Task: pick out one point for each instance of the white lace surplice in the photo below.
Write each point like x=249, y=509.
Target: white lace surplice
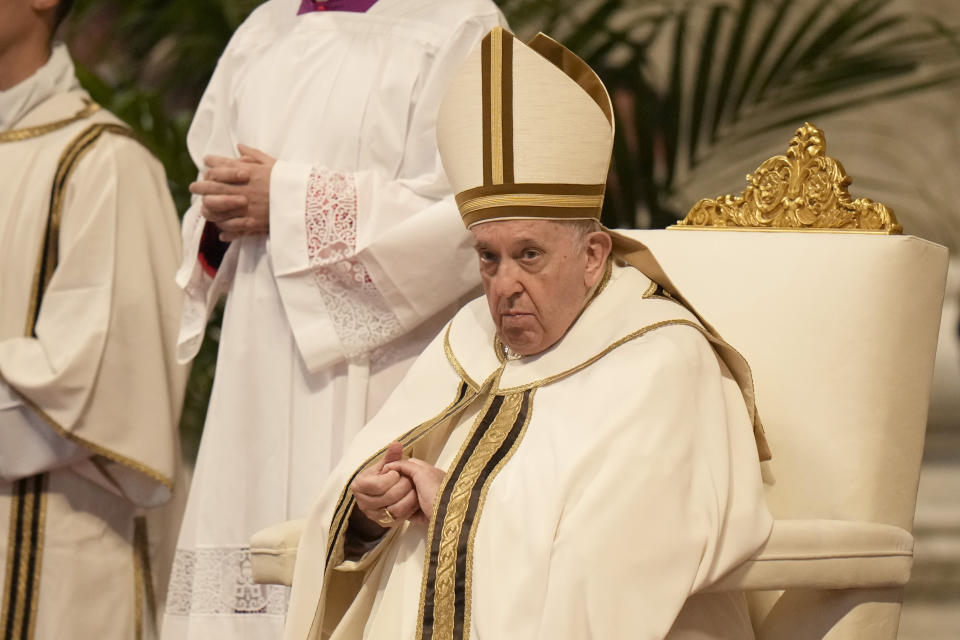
x=366, y=258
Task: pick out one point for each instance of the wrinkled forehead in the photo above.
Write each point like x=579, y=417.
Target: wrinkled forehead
x=512, y=231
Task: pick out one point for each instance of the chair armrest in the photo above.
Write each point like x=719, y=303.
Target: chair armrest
x=825, y=554
x=273, y=552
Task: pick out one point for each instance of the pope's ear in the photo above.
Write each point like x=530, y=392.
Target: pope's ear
x=598, y=247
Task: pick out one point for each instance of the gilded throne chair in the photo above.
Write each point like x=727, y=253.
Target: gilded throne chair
x=837, y=312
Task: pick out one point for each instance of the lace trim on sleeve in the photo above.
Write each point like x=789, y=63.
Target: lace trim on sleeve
x=360, y=314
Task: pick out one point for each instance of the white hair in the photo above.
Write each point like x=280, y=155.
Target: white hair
x=580, y=229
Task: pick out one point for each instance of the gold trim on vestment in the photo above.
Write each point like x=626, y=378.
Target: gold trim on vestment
x=657, y=292
x=47, y=262
x=468, y=583
x=49, y=256
x=92, y=446
x=21, y=612
x=143, y=579
x=448, y=566
x=586, y=363
x=11, y=543
x=452, y=359
x=137, y=593
x=41, y=529
x=18, y=135
x=21, y=593
x=802, y=190
x=431, y=528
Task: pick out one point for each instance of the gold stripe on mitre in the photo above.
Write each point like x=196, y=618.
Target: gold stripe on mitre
x=548, y=201
x=532, y=163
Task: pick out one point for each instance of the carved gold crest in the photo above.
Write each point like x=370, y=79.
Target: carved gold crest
x=802, y=190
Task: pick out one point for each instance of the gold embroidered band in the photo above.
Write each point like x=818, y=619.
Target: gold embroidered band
x=24, y=555
x=496, y=60
x=564, y=201
x=49, y=255
x=485, y=107
x=446, y=590
x=538, y=200
x=17, y=135
x=346, y=502
x=145, y=602
x=496, y=105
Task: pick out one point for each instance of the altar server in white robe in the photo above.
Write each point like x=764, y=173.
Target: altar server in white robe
x=90, y=390
x=333, y=287
x=581, y=451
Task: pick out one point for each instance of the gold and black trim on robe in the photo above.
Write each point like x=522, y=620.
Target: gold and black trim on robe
x=496, y=63
x=47, y=263
x=446, y=591
x=145, y=602
x=49, y=255
x=21, y=589
x=28, y=133
x=341, y=515
x=657, y=291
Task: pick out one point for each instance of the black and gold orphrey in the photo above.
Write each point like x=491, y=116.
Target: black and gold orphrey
x=500, y=196
x=21, y=587
x=448, y=566
x=24, y=554
x=445, y=601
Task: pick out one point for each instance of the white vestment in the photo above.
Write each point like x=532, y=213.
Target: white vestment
x=90, y=391
x=590, y=490
x=364, y=262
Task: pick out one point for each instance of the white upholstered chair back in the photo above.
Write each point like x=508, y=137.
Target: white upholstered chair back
x=840, y=329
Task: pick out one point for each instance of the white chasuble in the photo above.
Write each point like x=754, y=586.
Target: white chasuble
x=90, y=391
x=366, y=259
x=591, y=491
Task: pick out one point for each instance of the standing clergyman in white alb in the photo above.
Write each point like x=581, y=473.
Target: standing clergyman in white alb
x=322, y=233
x=577, y=454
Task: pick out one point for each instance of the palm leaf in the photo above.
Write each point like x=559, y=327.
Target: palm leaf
x=738, y=69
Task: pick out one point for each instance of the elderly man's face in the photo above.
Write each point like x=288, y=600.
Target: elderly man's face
x=536, y=278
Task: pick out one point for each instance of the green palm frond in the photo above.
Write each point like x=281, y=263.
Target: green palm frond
x=689, y=77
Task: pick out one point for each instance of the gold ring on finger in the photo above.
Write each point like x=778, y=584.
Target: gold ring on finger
x=386, y=518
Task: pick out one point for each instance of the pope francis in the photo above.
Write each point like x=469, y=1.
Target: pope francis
x=576, y=454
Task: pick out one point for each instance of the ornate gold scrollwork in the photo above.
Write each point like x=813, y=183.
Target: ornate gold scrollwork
x=802, y=190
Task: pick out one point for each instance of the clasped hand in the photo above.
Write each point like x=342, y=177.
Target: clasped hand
x=236, y=193
x=406, y=488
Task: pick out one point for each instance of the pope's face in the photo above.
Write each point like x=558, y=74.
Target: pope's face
x=535, y=278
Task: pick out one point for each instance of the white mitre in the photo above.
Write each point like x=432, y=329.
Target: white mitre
x=525, y=131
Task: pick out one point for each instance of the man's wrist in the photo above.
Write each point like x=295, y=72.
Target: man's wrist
x=363, y=528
